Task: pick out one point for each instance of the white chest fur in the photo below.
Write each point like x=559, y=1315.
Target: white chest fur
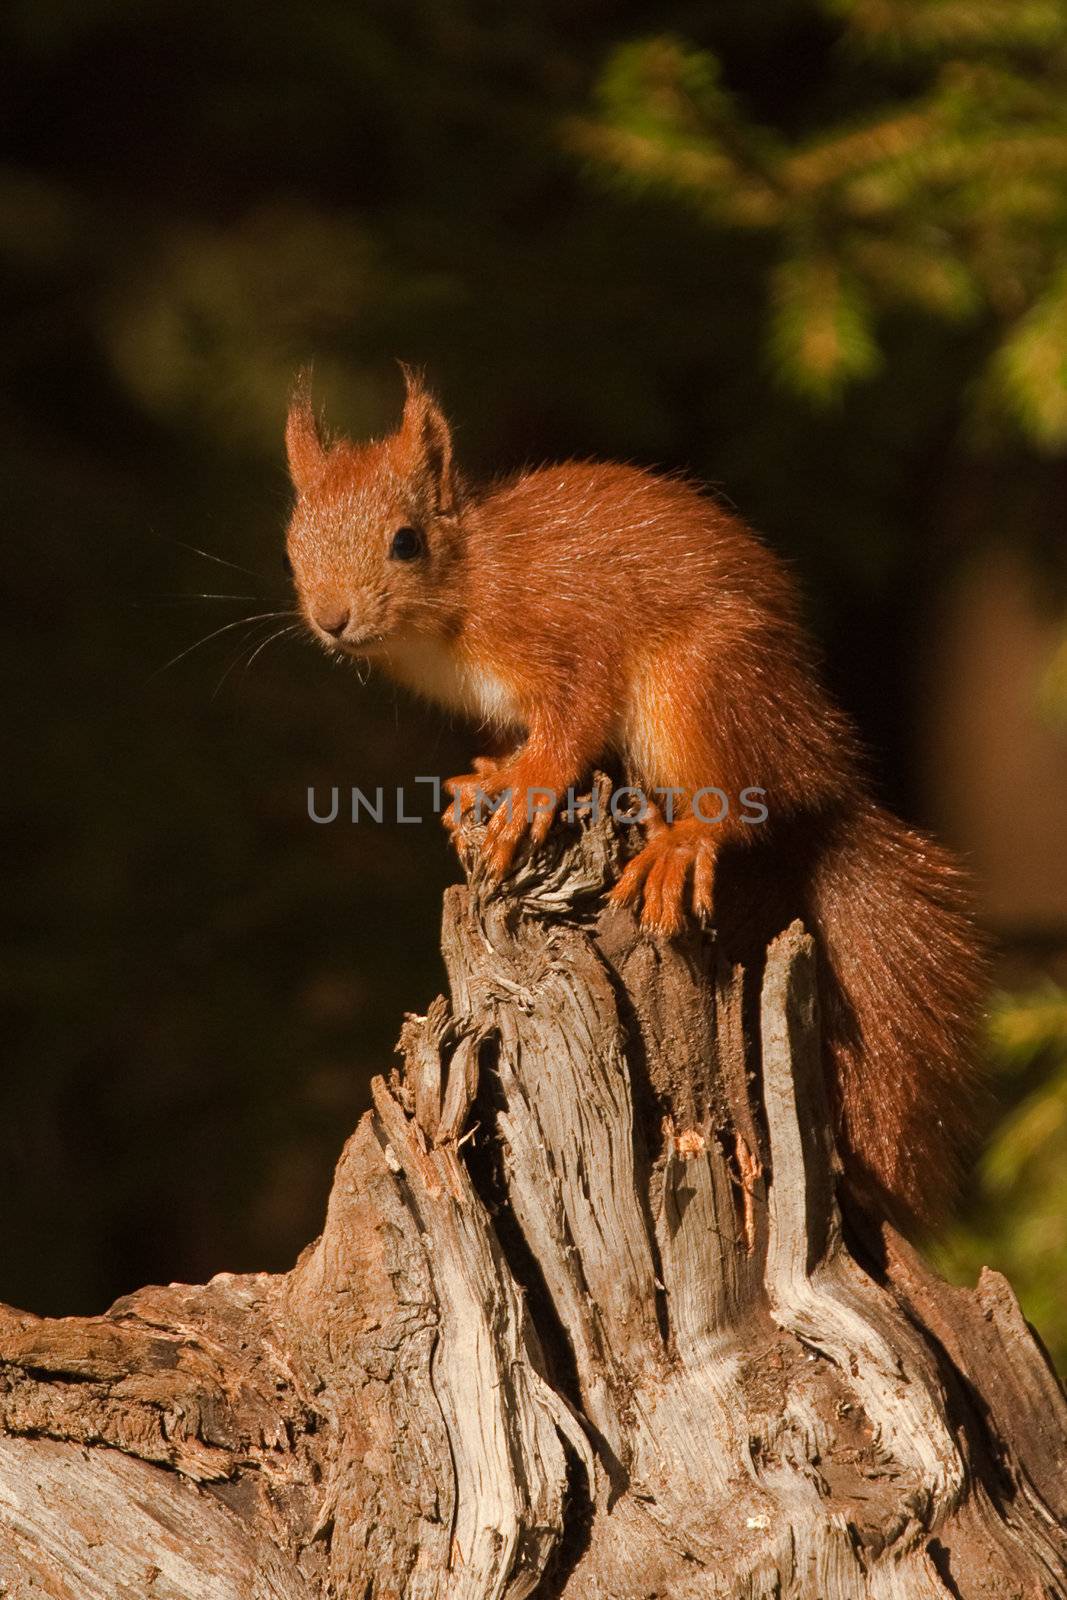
x=432, y=669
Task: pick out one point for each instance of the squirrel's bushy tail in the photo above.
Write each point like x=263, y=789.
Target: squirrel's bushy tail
x=903, y=975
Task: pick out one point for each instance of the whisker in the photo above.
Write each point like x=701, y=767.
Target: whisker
x=279, y=633
x=241, y=622
x=165, y=599
x=238, y=655
x=207, y=555
x=294, y=627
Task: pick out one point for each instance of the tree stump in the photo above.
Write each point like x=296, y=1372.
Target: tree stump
x=582, y=1321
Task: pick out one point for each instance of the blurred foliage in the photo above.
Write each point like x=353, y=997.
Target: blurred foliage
x=949, y=198
x=1019, y=1215
x=808, y=251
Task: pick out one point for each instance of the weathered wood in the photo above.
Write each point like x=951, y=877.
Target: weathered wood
x=582, y=1321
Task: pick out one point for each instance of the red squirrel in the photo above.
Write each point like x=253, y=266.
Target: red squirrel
x=595, y=610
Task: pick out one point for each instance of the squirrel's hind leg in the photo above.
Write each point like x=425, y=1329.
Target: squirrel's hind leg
x=676, y=855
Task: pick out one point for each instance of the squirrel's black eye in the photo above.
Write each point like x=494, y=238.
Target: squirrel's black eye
x=287, y=565
x=406, y=545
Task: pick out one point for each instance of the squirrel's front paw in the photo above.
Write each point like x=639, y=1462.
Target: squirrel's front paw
x=507, y=828
x=522, y=799
x=470, y=790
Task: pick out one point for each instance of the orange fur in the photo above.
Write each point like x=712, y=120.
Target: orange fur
x=596, y=609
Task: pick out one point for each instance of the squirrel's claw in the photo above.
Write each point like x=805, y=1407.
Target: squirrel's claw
x=505, y=832
x=525, y=805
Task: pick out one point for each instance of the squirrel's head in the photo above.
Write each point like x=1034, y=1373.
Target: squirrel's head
x=375, y=540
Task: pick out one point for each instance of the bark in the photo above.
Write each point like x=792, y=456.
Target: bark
x=582, y=1321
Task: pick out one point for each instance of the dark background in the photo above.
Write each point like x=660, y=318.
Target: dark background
x=196, y=199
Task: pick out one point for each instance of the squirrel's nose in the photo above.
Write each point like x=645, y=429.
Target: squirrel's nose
x=331, y=619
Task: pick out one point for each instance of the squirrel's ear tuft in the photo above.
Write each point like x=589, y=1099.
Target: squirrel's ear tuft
x=303, y=446
x=428, y=437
